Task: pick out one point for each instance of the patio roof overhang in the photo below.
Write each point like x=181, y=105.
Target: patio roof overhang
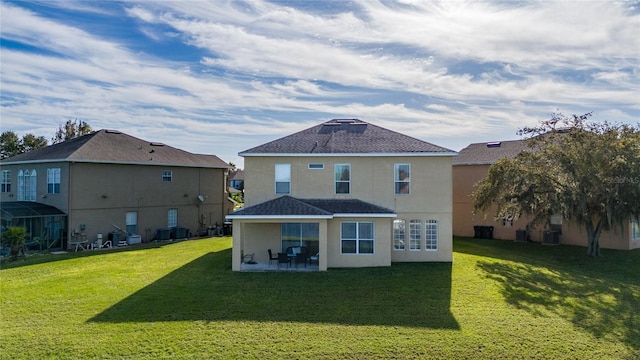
x=287, y=207
x=27, y=209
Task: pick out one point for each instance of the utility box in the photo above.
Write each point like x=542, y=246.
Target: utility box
x=163, y=234
x=551, y=238
x=134, y=239
x=521, y=235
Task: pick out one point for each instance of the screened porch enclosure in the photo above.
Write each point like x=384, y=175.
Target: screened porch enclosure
x=46, y=226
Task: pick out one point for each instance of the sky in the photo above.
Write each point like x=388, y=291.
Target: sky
x=219, y=77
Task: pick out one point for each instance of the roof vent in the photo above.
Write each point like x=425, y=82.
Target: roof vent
x=345, y=121
x=156, y=144
x=494, y=144
x=112, y=132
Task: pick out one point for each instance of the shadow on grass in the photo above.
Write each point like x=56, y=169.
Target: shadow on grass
x=601, y=296
x=206, y=289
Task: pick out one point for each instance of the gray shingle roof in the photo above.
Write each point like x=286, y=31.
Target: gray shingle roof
x=489, y=153
x=346, y=136
x=110, y=146
x=290, y=206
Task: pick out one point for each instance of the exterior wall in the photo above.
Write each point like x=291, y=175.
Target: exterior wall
x=102, y=194
x=372, y=180
x=98, y=195
x=382, y=244
x=464, y=220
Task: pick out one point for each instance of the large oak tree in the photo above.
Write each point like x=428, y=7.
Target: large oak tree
x=585, y=171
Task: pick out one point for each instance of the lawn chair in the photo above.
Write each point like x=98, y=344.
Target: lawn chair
x=283, y=259
x=271, y=257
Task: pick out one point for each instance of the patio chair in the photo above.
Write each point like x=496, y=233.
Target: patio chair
x=271, y=257
x=314, y=259
x=283, y=259
x=301, y=257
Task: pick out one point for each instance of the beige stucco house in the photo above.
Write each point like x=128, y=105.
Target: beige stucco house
x=107, y=180
x=472, y=164
x=355, y=194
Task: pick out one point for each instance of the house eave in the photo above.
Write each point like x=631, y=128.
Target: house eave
x=49, y=161
x=365, y=215
x=277, y=217
x=372, y=154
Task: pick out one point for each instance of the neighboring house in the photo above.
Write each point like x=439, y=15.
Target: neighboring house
x=97, y=183
x=236, y=179
x=472, y=164
x=356, y=194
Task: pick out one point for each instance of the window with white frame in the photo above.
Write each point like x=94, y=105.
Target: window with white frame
x=167, y=175
x=399, y=234
x=357, y=237
x=6, y=181
x=27, y=184
x=402, y=178
x=53, y=181
x=343, y=178
x=172, y=218
x=431, y=235
x=283, y=178
x=635, y=229
x=415, y=235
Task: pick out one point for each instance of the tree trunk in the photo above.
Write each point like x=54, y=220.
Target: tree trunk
x=593, y=238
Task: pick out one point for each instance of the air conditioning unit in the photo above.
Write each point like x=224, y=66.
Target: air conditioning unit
x=551, y=238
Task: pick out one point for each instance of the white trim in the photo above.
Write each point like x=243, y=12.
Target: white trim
x=337, y=215
x=5, y=163
x=277, y=217
x=377, y=215
x=370, y=154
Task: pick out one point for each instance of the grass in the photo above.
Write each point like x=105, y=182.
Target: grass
x=499, y=300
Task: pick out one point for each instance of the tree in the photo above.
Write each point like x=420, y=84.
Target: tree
x=586, y=172
x=14, y=238
x=71, y=129
x=32, y=142
x=11, y=144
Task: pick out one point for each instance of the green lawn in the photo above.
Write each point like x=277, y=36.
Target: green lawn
x=498, y=300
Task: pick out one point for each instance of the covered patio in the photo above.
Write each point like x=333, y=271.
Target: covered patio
x=46, y=225
x=262, y=231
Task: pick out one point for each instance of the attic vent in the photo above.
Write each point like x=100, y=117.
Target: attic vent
x=345, y=121
x=113, y=132
x=156, y=144
x=494, y=144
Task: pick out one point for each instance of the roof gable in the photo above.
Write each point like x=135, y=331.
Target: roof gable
x=346, y=136
x=111, y=146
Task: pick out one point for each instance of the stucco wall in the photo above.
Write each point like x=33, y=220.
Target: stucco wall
x=464, y=179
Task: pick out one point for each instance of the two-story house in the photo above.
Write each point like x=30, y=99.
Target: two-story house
x=472, y=165
x=354, y=193
x=107, y=180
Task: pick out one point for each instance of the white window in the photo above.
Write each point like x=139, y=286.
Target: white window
x=283, y=178
x=431, y=235
x=402, y=178
x=316, y=166
x=6, y=180
x=357, y=237
x=27, y=183
x=415, y=235
x=635, y=229
x=399, y=234
x=167, y=176
x=172, y=218
x=53, y=181
x=343, y=178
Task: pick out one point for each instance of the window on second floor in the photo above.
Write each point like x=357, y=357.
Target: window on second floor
x=167, y=176
x=402, y=178
x=343, y=178
x=6, y=181
x=27, y=184
x=53, y=181
x=283, y=178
